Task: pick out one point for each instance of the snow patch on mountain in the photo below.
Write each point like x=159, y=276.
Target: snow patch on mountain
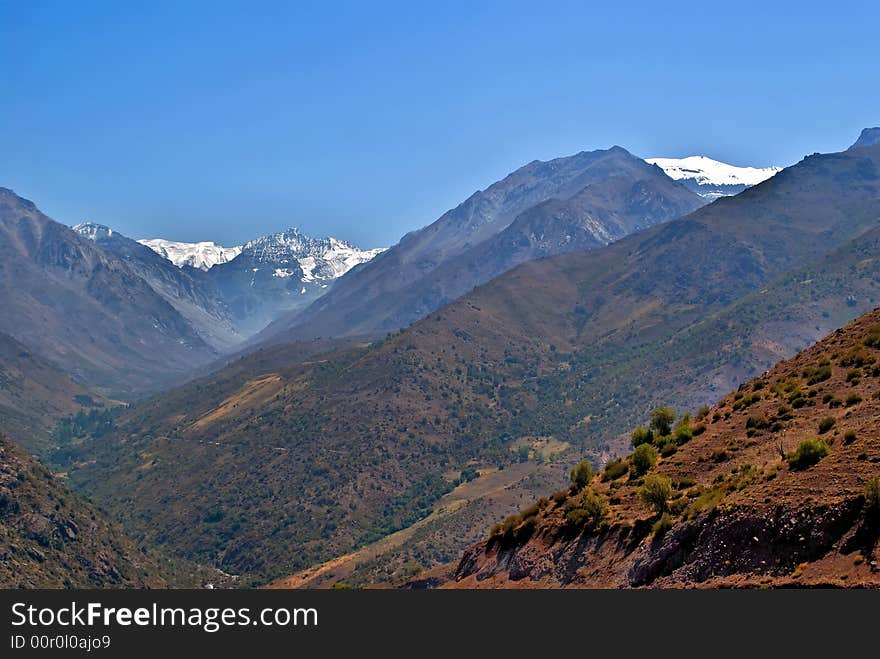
x=712, y=178
x=93, y=231
x=320, y=259
x=202, y=255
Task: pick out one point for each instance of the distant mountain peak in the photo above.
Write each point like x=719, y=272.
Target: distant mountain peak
x=202, y=255
x=320, y=258
x=93, y=230
x=712, y=178
x=869, y=137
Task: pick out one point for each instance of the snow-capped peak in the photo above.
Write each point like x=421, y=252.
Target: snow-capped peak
x=319, y=258
x=93, y=231
x=712, y=178
x=202, y=255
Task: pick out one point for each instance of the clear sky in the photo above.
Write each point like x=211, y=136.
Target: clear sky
x=365, y=120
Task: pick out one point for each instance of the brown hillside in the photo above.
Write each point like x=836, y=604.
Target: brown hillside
x=739, y=514
x=34, y=394
x=52, y=538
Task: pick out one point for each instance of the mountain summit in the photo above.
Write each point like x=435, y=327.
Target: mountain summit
x=712, y=178
x=318, y=258
x=573, y=203
x=869, y=137
x=202, y=255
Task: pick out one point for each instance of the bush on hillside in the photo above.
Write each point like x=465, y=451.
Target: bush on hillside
x=643, y=459
x=826, y=424
x=808, y=453
x=587, y=511
x=661, y=420
x=614, y=469
x=582, y=474
x=641, y=435
x=656, y=492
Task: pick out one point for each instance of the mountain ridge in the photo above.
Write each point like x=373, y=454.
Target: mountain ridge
x=436, y=264
x=537, y=352
x=85, y=309
x=712, y=178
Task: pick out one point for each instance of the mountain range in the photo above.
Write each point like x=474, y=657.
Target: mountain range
x=541, y=318
x=544, y=208
x=87, y=310
x=710, y=178
x=562, y=351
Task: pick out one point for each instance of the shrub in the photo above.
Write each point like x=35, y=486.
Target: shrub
x=683, y=432
x=758, y=422
x=614, y=469
x=656, y=491
x=582, y=474
x=661, y=420
x=872, y=337
x=643, y=459
x=703, y=412
x=853, y=399
x=818, y=374
x=559, y=496
x=641, y=436
x=662, y=525
x=849, y=436
x=808, y=453
x=719, y=455
x=856, y=356
x=746, y=401
x=587, y=511
x=826, y=424
x=668, y=446
x=872, y=495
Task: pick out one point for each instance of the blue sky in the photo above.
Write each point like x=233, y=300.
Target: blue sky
x=365, y=120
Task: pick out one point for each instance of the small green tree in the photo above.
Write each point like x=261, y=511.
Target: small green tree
x=582, y=474
x=614, y=469
x=587, y=510
x=683, y=431
x=641, y=435
x=643, y=458
x=826, y=424
x=661, y=420
x=808, y=453
x=656, y=492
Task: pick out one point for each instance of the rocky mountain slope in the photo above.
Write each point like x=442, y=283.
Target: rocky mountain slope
x=776, y=485
x=868, y=137
x=544, y=208
x=231, y=293
x=711, y=178
x=282, y=273
x=52, y=538
x=85, y=309
x=35, y=394
x=190, y=291
x=572, y=348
